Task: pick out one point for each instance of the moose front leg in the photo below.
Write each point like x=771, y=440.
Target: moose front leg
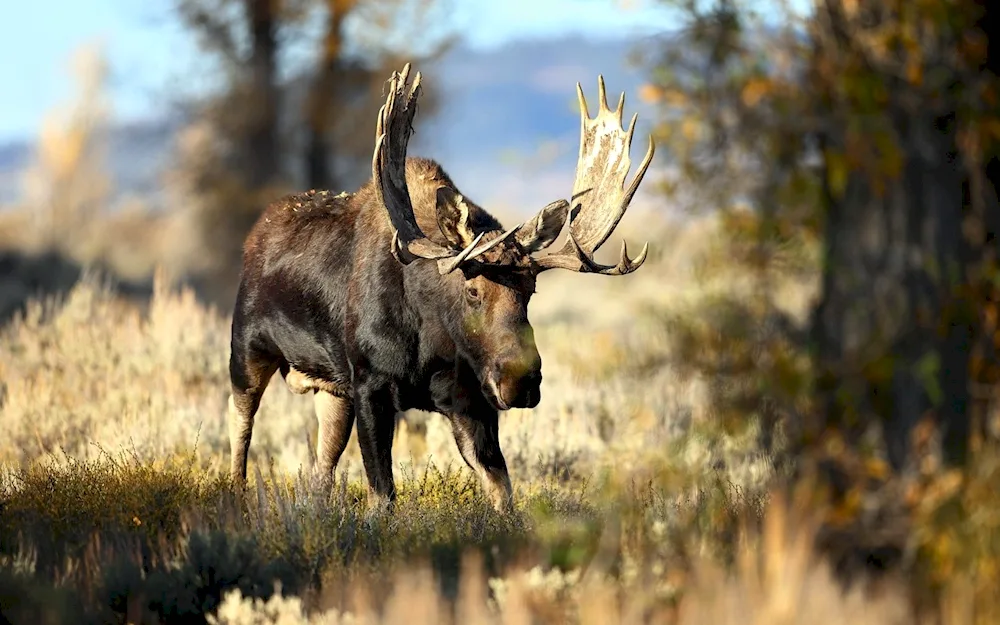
x=475, y=424
x=376, y=417
x=478, y=441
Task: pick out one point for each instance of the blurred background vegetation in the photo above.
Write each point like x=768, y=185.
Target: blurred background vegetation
x=804, y=371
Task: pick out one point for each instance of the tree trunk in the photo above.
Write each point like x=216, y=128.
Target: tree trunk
x=319, y=152
x=899, y=313
x=262, y=134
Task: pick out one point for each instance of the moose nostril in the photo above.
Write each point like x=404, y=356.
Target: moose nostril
x=522, y=390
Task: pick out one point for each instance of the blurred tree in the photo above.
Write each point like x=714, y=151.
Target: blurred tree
x=344, y=92
x=863, y=133
x=908, y=98
x=301, y=80
x=251, y=97
x=67, y=186
x=736, y=145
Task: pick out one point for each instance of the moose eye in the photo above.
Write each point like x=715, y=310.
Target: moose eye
x=472, y=294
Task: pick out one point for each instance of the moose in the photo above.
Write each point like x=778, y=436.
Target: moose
x=408, y=295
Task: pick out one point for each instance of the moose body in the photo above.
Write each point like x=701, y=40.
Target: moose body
x=407, y=295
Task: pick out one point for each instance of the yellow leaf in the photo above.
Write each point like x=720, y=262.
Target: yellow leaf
x=914, y=70
x=650, y=94
x=690, y=128
x=755, y=90
x=674, y=97
x=836, y=172
x=877, y=468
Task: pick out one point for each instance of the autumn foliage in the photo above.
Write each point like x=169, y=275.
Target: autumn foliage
x=854, y=149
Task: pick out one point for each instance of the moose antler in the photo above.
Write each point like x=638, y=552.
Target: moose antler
x=392, y=134
x=598, y=191
x=469, y=253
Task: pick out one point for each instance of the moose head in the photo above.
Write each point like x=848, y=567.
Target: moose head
x=492, y=271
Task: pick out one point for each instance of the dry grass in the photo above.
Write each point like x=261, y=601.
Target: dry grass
x=778, y=581
x=90, y=371
x=89, y=377
x=632, y=507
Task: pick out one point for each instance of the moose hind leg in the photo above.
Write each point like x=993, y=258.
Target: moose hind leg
x=249, y=380
x=336, y=418
x=479, y=443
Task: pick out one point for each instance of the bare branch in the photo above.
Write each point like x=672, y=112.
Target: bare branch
x=215, y=31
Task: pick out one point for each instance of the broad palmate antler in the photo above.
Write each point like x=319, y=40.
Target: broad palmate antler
x=599, y=195
x=600, y=198
x=392, y=134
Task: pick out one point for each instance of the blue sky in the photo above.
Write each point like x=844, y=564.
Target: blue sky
x=146, y=49
x=149, y=53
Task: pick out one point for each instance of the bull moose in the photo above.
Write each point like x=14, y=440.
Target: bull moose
x=408, y=295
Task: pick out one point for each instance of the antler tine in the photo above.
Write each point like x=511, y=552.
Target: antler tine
x=579, y=261
x=469, y=253
x=448, y=265
x=599, y=190
x=584, y=113
x=495, y=242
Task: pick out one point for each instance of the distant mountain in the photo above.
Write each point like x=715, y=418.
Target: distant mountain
x=14, y=158
x=507, y=130
x=136, y=154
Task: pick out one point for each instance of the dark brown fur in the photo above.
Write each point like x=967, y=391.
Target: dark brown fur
x=322, y=297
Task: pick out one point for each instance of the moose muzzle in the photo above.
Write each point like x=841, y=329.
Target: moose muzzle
x=515, y=380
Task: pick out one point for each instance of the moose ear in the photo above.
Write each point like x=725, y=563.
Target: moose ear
x=453, y=217
x=543, y=228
